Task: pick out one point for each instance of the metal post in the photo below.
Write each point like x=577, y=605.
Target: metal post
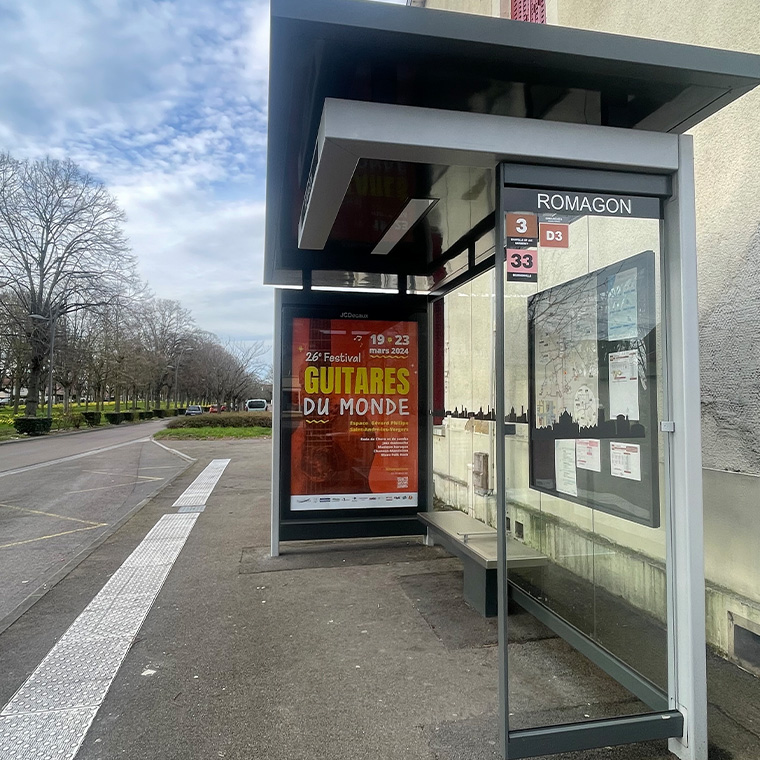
x=50, y=368
x=277, y=398
x=688, y=678
x=501, y=504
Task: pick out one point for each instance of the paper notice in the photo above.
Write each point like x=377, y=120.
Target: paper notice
x=588, y=454
x=624, y=384
x=625, y=460
x=622, y=306
x=564, y=466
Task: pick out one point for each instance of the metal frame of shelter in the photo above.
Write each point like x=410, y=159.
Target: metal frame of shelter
x=317, y=138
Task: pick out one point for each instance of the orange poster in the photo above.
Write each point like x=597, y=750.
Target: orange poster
x=355, y=441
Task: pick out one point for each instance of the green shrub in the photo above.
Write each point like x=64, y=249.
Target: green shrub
x=146, y=415
x=92, y=418
x=114, y=418
x=225, y=419
x=68, y=420
x=131, y=416
x=181, y=411
x=32, y=425
x=159, y=413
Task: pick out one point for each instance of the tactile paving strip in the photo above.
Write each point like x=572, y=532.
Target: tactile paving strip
x=44, y=736
x=50, y=714
x=200, y=489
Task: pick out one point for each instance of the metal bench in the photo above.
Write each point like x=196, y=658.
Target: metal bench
x=474, y=543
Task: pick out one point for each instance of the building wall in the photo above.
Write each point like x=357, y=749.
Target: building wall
x=727, y=163
x=727, y=167
x=727, y=171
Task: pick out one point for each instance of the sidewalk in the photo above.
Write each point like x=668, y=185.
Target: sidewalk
x=344, y=650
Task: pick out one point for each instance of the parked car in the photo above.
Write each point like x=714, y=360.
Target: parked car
x=215, y=408
x=193, y=409
x=255, y=405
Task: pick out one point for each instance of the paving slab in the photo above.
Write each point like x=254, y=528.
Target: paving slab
x=306, y=656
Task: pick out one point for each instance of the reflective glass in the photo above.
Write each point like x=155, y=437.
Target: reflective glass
x=585, y=484
x=464, y=439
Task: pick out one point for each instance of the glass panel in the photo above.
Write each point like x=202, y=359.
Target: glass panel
x=484, y=246
x=343, y=279
x=464, y=441
x=584, y=458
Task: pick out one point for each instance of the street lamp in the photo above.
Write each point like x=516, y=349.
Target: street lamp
x=51, y=321
x=175, y=367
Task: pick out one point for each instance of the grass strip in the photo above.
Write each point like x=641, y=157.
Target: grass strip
x=212, y=433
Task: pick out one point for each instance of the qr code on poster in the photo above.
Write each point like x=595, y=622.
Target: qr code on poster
x=402, y=482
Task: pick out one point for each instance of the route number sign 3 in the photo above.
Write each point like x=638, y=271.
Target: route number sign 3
x=522, y=230
x=522, y=247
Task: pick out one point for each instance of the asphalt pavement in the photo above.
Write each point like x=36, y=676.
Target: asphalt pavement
x=26, y=452
x=354, y=649
x=60, y=496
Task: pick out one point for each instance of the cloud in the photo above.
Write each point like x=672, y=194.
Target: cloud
x=165, y=102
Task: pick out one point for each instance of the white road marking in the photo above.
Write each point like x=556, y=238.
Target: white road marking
x=50, y=714
x=52, y=462
x=173, y=451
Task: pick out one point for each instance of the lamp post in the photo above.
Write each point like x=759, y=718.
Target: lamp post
x=176, y=371
x=51, y=321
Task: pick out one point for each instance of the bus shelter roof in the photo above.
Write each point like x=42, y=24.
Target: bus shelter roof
x=377, y=215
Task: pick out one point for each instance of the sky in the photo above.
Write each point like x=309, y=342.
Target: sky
x=165, y=101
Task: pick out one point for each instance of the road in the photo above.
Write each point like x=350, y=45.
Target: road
x=24, y=453
x=61, y=495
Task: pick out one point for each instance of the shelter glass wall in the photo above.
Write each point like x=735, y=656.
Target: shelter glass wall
x=464, y=436
x=584, y=458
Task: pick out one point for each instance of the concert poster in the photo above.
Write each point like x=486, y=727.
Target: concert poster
x=354, y=406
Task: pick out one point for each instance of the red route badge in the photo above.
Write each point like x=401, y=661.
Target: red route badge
x=522, y=265
x=554, y=235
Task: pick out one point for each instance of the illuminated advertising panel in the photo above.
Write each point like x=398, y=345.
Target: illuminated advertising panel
x=354, y=396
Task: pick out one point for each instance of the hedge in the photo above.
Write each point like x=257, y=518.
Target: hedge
x=32, y=425
x=225, y=419
x=146, y=415
x=68, y=421
x=132, y=416
x=114, y=418
x=160, y=413
x=92, y=418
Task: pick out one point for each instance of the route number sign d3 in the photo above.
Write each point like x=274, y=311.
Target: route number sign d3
x=554, y=235
x=522, y=264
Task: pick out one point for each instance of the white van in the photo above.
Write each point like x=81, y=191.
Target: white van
x=255, y=405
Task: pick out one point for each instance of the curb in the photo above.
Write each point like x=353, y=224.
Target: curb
x=46, y=585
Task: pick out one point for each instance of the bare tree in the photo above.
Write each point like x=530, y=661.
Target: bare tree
x=62, y=249
x=14, y=349
x=168, y=332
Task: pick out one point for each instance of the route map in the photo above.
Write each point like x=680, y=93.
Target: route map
x=566, y=355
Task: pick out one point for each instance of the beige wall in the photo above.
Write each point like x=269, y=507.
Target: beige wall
x=727, y=166
x=727, y=163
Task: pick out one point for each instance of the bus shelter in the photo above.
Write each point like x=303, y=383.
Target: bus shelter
x=483, y=235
